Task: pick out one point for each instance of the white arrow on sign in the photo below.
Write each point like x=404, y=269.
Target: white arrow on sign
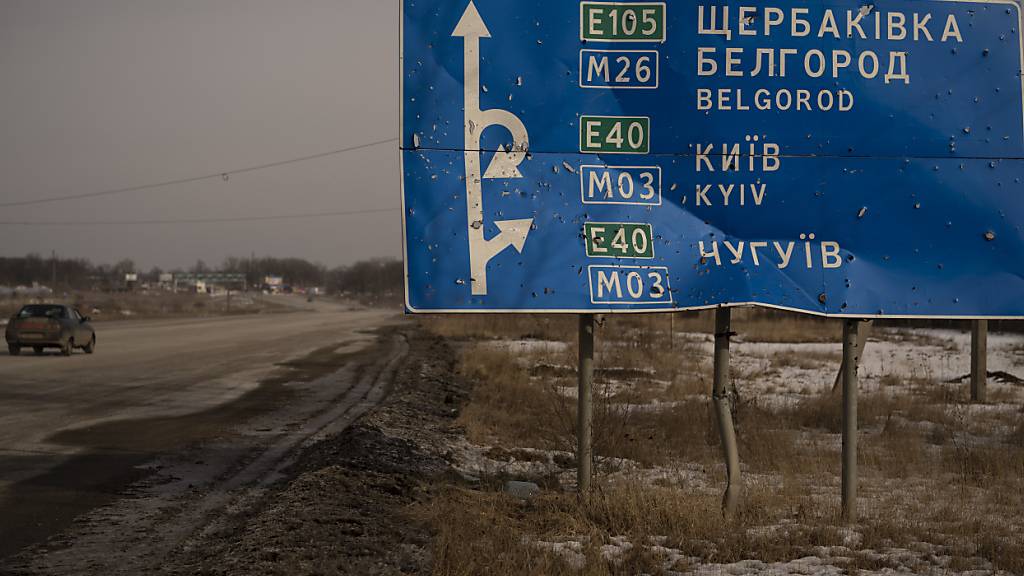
x=505, y=163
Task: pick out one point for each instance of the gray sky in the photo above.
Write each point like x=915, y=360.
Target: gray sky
x=104, y=94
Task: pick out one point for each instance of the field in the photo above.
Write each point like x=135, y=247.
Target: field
x=102, y=306
x=941, y=479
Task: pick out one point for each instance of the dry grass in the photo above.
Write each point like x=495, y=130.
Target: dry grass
x=481, y=532
x=512, y=410
x=516, y=408
x=806, y=359
x=936, y=475
x=758, y=325
x=487, y=532
x=490, y=327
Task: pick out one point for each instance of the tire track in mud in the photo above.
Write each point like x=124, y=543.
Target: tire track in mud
x=191, y=496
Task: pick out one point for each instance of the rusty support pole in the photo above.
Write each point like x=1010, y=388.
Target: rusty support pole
x=672, y=330
x=723, y=410
x=851, y=358
x=979, y=361
x=862, y=341
x=585, y=406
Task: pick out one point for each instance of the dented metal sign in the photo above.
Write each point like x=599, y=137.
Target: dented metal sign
x=839, y=158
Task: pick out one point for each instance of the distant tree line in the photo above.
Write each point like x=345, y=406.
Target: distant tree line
x=64, y=273
x=381, y=277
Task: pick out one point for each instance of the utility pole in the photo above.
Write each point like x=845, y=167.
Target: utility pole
x=585, y=404
x=249, y=279
x=53, y=271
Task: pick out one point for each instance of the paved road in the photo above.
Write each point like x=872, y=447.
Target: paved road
x=151, y=371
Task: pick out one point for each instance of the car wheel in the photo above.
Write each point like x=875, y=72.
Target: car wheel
x=68, y=347
x=14, y=349
x=91, y=346
x=38, y=350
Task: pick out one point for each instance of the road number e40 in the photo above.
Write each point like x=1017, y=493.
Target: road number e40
x=618, y=240
x=622, y=21
x=615, y=134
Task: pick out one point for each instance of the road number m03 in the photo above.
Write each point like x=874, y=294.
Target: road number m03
x=629, y=285
x=625, y=185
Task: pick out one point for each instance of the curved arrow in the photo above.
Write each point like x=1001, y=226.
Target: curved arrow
x=505, y=163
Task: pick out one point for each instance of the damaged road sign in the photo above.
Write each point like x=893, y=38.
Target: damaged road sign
x=836, y=158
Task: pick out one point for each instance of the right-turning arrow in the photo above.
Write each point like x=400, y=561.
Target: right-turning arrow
x=505, y=163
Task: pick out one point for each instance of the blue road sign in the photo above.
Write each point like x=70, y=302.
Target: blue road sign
x=840, y=157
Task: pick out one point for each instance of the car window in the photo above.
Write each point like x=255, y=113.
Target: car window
x=42, y=311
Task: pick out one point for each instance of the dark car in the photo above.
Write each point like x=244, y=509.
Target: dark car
x=40, y=326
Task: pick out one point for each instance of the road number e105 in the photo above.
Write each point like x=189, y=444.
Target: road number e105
x=622, y=22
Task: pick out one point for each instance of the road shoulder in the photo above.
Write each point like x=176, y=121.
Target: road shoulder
x=329, y=493
x=345, y=508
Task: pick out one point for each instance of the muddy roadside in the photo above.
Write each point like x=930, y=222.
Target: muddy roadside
x=118, y=458
x=331, y=498
x=345, y=507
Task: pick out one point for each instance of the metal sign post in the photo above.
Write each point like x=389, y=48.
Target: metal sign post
x=862, y=340
x=851, y=357
x=671, y=331
x=979, y=361
x=723, y=411
x=585, y=404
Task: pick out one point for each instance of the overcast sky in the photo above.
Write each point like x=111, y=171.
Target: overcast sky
x=105, y=94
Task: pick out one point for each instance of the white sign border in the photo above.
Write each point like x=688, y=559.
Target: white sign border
x=657, y=69
x=1017, y=4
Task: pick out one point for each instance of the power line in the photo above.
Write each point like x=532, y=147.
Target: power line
x=222, y=175
x=305, y=216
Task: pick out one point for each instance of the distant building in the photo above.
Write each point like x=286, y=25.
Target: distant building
x=273, y=284
x=209, y=283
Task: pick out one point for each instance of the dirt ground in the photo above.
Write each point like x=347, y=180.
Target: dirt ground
x=411, y=481
x=74, y=430
x=334, y=498
x=346, y=510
